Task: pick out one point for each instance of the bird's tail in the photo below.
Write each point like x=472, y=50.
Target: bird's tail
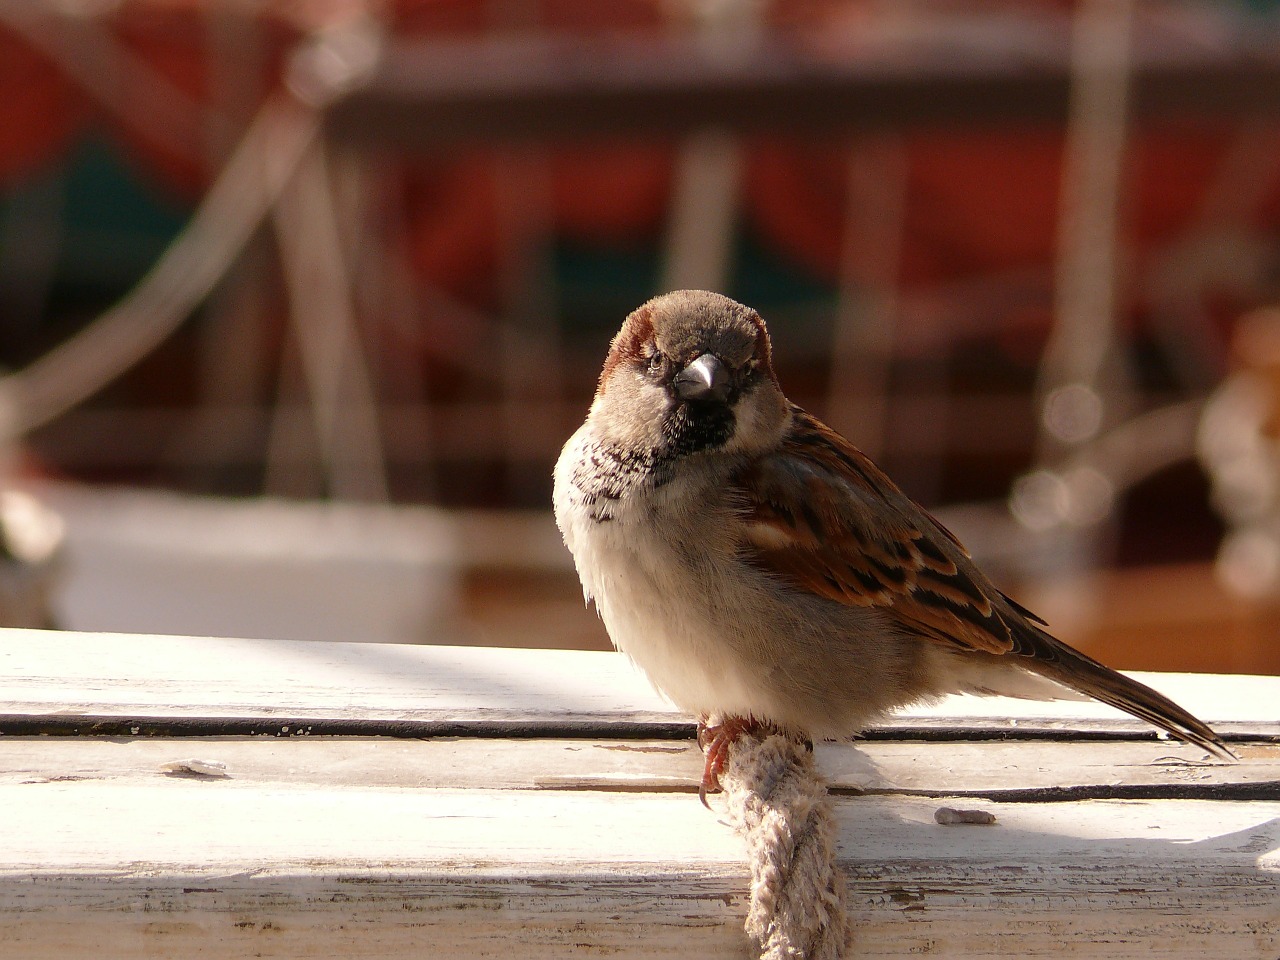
x=1070, y=667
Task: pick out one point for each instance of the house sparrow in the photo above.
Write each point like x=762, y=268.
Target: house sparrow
x=765, y=573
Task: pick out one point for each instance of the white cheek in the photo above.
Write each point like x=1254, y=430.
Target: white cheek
x=631, y=411
x=758, y=424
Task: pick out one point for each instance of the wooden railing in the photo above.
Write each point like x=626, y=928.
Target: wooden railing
x=370, y=800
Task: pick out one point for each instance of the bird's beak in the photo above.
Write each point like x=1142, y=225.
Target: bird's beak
x=705, y=378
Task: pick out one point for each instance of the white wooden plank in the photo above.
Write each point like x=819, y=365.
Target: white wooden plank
x=127, y=674
x=54, y=673
x=1027, y=770
x=549, y=848
x=1051, y=771
x=184, y=867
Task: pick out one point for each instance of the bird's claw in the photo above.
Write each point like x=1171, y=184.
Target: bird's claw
x=715, y=740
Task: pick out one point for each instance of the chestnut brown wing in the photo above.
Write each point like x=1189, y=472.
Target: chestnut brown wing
x=822, y=517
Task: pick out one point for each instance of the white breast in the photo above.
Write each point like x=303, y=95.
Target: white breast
x=646, y=558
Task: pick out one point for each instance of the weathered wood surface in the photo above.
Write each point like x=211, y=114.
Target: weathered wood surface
x=1050, y=772
x=58, y=677
x=223, y=869
x=553, y=846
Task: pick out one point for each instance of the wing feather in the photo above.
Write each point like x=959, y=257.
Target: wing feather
x=824, y=518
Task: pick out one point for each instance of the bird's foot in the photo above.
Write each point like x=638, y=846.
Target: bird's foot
x=715, y=740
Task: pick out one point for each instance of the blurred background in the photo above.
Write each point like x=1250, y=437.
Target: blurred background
x=300, y=298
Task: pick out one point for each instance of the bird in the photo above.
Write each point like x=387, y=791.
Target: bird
x=764, y=573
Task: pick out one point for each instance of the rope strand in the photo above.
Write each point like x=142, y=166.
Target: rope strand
x=778, y=803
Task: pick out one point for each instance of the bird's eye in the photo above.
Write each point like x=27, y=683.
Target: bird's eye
x=654, y=362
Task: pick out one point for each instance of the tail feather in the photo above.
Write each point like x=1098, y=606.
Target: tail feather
x=1054, y=659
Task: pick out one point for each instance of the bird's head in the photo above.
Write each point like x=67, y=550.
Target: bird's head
x=689, y=372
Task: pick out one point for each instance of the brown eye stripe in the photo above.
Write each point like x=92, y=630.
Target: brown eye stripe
x=628, y=346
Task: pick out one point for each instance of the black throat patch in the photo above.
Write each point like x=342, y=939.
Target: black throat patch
x=694, y=427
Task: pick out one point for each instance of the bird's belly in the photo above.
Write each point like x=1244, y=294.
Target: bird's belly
x=695, y=665
x=656, y=611
x=711, y=634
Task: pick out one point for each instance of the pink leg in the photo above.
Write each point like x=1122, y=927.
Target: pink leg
x=715, y=742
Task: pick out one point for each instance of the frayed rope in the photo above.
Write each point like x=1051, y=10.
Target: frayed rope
x=778, y=803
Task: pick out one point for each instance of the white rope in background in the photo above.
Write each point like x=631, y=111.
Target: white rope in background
x=278, y=170
x=777, y=801
x=240, y=198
